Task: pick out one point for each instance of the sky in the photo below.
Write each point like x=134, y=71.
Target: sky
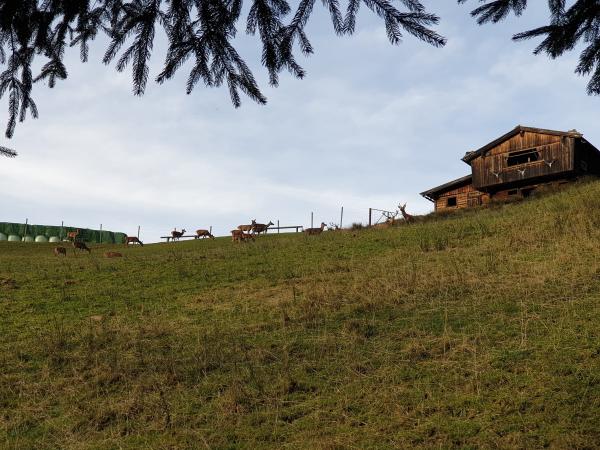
x=371, y=125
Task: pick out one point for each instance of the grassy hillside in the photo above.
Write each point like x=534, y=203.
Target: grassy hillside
x=477, y=330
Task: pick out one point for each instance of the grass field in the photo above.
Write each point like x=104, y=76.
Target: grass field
x=481, y=329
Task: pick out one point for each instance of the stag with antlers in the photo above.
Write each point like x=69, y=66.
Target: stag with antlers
x=409, y=218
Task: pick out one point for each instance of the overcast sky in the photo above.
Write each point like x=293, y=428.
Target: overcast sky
x=370, y=126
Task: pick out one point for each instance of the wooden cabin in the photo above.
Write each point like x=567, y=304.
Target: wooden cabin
x=515, y=165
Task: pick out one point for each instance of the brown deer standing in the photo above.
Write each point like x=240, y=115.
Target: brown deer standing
x=81, y=246
x=72, y=235
x=60, y=251
x=314, y=231
x=260, y=227
x=246, y=228
x=408, y=217
x=133, y=240
x=177, y=234
x=203, y=234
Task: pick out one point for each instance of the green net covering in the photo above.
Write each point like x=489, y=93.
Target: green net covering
x=85, y=234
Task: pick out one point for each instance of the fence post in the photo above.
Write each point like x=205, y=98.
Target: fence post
x=62, y=226
x=277, y=226
x=26, y=222
x=210, y=230
x=138, y=232
x=370, y=212
x=101, y=233
x=342, y=218
x=311, y=220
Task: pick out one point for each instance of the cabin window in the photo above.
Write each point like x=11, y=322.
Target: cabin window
x=451, y=201
x=522, y=157
x=527, y=192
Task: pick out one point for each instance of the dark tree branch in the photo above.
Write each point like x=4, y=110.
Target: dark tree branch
x=568, y=27
x=198, y=30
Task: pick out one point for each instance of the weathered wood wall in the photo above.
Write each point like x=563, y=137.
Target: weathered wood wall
x=462, y=194
x=556, y=155
x=506, y=194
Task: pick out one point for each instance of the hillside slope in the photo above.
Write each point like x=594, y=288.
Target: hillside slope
x=477, y=330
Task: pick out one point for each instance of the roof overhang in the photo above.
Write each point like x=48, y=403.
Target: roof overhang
x=435, y=192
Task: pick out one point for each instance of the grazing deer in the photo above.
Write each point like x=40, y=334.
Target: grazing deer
x=60, y=251
x=112, y=255
x=203, y=234
x=81, y=246
x=177, y=234
x=408, y=217
x=72, y=235
x=246, y=228
x=260, y=227
x=313, y=231
x=133, y=240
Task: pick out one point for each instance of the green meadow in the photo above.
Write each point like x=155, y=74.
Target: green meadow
x=477, y=329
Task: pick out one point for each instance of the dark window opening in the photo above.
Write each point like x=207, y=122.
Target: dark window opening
x=513, y=192
x=522, y=157
x=451, y=201
x=527, y=192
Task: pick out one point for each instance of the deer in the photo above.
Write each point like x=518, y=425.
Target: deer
x=133, y=240
x=390, y=218
x=408, y=217
x=314, y=231
x=81, y=246
x=240, y=236
x=203, y=234
x=246, y=228
x=72, y=235
x=112, y=255
x=177, y=234
x=60, y=251
x=260, y=227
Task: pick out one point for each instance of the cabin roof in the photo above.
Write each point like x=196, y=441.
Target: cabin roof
x=432, y=193
x=470, y=156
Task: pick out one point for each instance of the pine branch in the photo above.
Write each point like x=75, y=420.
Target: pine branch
x=9, y=153
x=200, y=31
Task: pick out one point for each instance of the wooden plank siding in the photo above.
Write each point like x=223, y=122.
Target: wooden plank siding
x=555, y=155
x=462, y=195
x=517, y=164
